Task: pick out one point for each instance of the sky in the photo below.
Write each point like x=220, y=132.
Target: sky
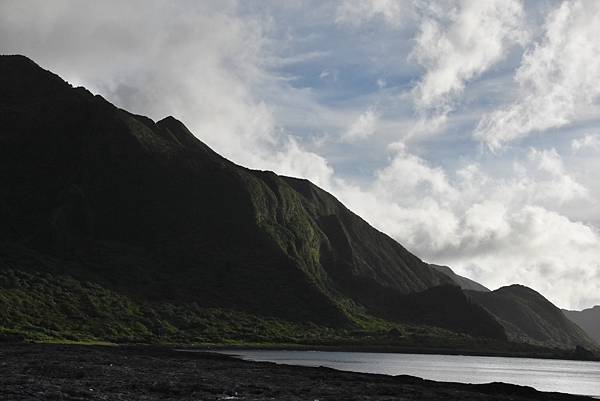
x=467, y=130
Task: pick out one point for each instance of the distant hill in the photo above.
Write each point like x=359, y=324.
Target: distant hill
x=588, y=320
x=120, y=228
x=462, y=282
x=529, y=317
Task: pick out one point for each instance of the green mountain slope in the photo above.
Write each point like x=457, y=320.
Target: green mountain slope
x=117, y=227
x=148, y=211
x=529, y=317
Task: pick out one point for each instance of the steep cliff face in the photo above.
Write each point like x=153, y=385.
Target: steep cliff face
x=147, y=230
x=149, y=211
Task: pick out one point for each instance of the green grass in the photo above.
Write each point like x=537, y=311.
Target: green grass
x=44, y=307
x=48, y=308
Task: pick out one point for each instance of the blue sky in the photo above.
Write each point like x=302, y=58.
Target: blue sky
x=467, y=130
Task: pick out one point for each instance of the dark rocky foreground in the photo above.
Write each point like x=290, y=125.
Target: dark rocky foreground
x=60, y=372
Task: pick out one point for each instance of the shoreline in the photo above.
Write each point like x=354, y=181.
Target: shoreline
x=94, y=372
x=322, y=359
x=550, y=354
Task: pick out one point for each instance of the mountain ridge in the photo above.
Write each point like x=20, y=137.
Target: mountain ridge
x=529, y=317
x=107, y=176
x=463, y=282
x=588, y=319
x=140, y=219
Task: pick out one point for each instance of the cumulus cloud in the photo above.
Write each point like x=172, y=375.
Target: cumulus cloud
x=559, y=77
x=551, y=185
x=364, y=126
x=498, y=229
x=456, y=42
x=460, y=40
x=589, y=141
x=292, y=160
x=545, y=250
x=233, y=72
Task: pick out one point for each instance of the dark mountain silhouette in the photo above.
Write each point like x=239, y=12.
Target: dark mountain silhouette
x=462, y=282
x=588, y=320
x=529, y=317
x=149, y=211
x=118, y=227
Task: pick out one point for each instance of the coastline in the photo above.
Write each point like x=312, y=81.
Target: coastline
x=540, y=353
x=76, y=372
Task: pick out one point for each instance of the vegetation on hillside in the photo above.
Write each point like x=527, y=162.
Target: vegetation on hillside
x=118, y=228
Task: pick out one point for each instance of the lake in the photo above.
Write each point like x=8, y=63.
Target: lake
x=575, y=377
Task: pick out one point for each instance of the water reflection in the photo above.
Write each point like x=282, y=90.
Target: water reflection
x=575, y=377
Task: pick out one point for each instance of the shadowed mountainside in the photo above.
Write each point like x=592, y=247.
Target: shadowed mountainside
x=118, y=227
x=529, y=317
x=588, y=320
x=148, y=211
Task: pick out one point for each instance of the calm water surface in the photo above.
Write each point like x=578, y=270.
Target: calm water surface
x=573, y=377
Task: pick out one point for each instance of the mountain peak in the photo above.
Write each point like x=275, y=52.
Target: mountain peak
x=157, y=188
x=537, y=319
x=170, y=120
x=17, y=59
x=22, y=66
x=149, y=212
x=178, y=130
x=21, y=79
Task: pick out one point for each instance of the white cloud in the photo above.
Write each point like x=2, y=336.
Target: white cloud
x=547, y=180
x=324, y=74
x=364, y=126
x=292, y=160
x=233, y=76
x=409, y=176
x=589, y=141
x=460, y=40
x=559, y=77
x=544, y=250
x=199, y=61
x=498, y=229
x=457, y=41
x=429, y=123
